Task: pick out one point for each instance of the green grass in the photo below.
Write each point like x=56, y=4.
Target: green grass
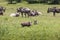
x=48, y=27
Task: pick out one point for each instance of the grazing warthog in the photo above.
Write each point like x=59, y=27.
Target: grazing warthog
x=24, y=11
x=26, y=24
x=2, y=9
x=54, y=10
x=34, y=13
x=14, y=14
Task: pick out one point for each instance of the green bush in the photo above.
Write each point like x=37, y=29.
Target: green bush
x=54, y=1
x=43, y=1
x=18, y=1
x=33, y=1
x=13, y=1
x=37, y=1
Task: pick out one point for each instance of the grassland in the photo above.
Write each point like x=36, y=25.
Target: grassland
x=48, y=27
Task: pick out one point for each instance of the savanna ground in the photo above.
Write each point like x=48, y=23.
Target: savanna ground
x=48, y=27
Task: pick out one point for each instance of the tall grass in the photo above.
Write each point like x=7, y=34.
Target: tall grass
x=48, y=27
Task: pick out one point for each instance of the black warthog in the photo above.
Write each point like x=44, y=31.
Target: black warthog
x=54, y=10
x=24, y=11
x=34, y=13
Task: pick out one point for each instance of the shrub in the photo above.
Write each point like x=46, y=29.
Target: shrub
x=53, y=1
x=18, y=1
x=11, y=1
x=43, y=1
x=33, y=1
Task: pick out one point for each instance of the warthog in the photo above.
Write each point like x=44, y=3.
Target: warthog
x=23, y=11
x=54, y=10
x=34, y=13
x=26, y=24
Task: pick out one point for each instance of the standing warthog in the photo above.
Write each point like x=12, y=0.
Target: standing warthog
x=23, y=11
x=54, y=10
x=2, y=9
x=26, y=24
x=50, y=10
